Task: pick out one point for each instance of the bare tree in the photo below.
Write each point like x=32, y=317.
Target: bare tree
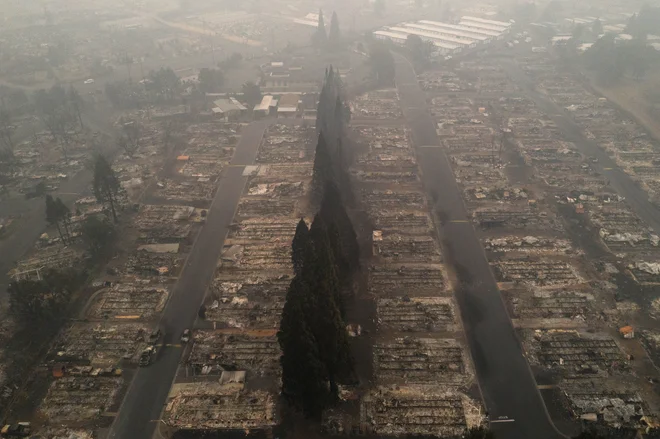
x=76, y=102
x=106, y=185
x=55, y=112
x=132, y=132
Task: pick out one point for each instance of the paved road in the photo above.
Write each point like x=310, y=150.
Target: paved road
x=507, y=385
x=147, y=395
x=621, y=182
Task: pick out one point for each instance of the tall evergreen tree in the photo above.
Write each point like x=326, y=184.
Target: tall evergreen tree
x=343, y=268
x=323, y=256
x=304, y=376
x=320, y=37
x=76, y=102
x=299, y=246
x=106, y=185
x=326, y=321
x=322, y=171
x=334, y=37
x=333, y=211
x=53, y=215
x=339, y=118
x=320, y=115
x=64, y=215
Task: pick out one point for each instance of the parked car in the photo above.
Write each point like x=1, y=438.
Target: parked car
x=147, y=356
x=155, y=336
x=185, y=337
x=21, y=429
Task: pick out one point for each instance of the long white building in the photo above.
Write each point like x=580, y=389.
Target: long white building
x=433, y=36
x=482, y=26
x=487, y=34
x=485, y=21
x=400, y=38
x=447, y=38
x=448, y=33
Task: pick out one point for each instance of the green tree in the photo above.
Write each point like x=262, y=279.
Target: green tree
x=98, y=233
x=131, y=134
x=38, y=304
x=53, y=215
x=334, y=37
x=168, y=134
x=106, y=185
x=322, y=171
x=56, y=113
x=64, y=215
x=578, y=33
x=382, y=63
x=347, y=249
x=251, y=94
x=325, y=312
x=164, y=84
x=604, y=58
x=299, y=246
x=646, y=22
x=210, y=80
x=420, y=50
x=320, y=37
x=597, y=28
x=304, y=376
x=76, y=102
x=233, y=60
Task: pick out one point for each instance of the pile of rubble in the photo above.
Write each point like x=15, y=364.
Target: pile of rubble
x=219, y=406
x=75, y=399
x=417, y=339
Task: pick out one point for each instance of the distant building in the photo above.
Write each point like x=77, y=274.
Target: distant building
x=288, y=105
x=228, y=109
x=447, y=37
x=263, y=108
x=284, y=77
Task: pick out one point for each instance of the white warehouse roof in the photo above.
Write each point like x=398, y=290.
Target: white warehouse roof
x=484, y=21
x=397, y=35
x=447, y=33
x=390, y=34
x=473, y=33
x=482, y=26
x=433, y=35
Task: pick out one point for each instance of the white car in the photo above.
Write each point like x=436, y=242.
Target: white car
x=89, y=81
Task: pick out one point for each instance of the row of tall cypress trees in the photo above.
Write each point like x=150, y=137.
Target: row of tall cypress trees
x=331, y=40
x=316, y=356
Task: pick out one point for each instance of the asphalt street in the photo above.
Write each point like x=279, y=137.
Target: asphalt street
x=515, y=406
x=142, y=406
x=621, y=182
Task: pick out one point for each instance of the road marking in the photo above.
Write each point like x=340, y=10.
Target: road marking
x=459, y=221
x=430, y=146
x=173, y=345
x=546, y=386
x=502, y=420
x=607, y=169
